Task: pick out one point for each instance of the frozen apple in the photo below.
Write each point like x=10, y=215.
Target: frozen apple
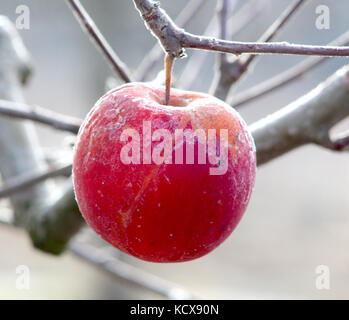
x=164, y=183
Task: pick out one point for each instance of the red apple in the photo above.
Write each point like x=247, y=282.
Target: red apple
x=163, y=183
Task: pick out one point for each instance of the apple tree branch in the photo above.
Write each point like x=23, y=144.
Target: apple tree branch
x=229, y=72
x=284, y=78
x=174, y=39
x=96, y=36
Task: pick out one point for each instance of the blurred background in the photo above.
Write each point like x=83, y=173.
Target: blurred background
x=298, y=217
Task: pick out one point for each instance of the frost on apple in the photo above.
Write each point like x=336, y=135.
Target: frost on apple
x=168, y=207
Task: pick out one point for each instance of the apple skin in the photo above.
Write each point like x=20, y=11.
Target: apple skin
x=167, y=212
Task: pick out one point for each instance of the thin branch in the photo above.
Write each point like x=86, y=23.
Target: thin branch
x=21, y=183
x=285, y=77
x=174, y=39
x=234, y=47
x=154, y=55
x=237, y=22
x=91, y=29
x=223, y=10
x=128, y=273
x=221, y=61
x=230, y=72
x=23, y=111
x=275, y=28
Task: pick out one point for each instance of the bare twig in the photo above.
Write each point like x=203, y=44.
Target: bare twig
x=21, y=183
x=221, y=61
x=174, y=39
x=230, y=72
x=154, y=55
x=235, y=47
x=23, y=111
x=224, y=8
x=274, y=29
x=283, y=78
x=95, y=35
x=236, y=23
x=128, y=273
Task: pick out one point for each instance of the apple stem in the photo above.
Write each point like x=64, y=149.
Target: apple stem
x=169, y=60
